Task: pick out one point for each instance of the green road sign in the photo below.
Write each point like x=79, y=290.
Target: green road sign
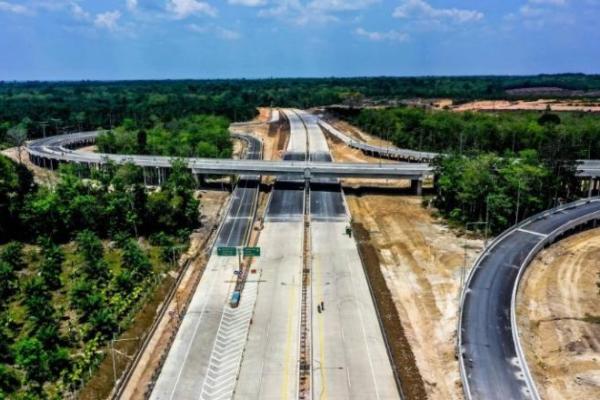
x=251, y=251
x=227, y=251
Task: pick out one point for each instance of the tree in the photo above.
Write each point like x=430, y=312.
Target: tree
x=17, y=136
x=38, y=300
x=31, y=356
x=13, y=255
x=94, y=266
x=9, y=381
x=549, y=118
x=16, y=184
x=8, y=282
x=51, y=266
x=142, y=141
x=103, y=323
x=135, y=260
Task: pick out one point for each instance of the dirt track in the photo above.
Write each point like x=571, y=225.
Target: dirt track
x=521, y=105
x=559, y=318
x=421, y=261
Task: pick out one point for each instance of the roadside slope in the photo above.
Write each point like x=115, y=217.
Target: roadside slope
x=420, y=260
x=558, y=293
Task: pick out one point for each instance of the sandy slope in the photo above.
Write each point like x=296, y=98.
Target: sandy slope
x=559, y=290
x=421, y=261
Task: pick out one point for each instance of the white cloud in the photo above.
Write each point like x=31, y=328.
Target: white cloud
x=531, y=12
x=551, y=2
x=537, y=14
x=223, y=33
x=295, y=12
x=341, y=5
x=248, y=3
x=184, y=8
x=392, y=36
x=108, y=20
x=131, y=4
x=78, y=12
x=422, y=10
x=13, y=8
x=227, y=34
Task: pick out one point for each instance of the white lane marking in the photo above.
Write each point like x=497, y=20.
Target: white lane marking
x=532, y=233
x=362, y=327
x=189, y=347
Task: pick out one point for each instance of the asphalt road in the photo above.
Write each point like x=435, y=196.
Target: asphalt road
x=488, y=349
x=188, y=364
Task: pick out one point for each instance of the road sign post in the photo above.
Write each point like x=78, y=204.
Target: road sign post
x=227, y=251
x=251, y=251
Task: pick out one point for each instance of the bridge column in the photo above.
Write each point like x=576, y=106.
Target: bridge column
x=196, y=179
x=591, y=186
x=416, y=186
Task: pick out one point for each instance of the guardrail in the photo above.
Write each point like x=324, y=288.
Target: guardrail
x=387, y=152
x=514, y=328
x=209, y=244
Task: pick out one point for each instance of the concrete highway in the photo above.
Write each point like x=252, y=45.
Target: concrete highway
x=189, y=368
x=269, y=367
x=492, y=363
x=349, y=357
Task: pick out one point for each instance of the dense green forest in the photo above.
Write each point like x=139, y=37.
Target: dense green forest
x=64, y=289
x=66, y=106
x=564, y=136
x=193, y=136
x=500, y=167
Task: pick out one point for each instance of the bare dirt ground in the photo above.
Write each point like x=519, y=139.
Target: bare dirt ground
x=358, y=134
x=342, y=153
x=238, y=148
x=273, y=136
x=421, y=261
x=213, y=209
x=559, y=318
x=41, y=176
x=537, y=105
x=87, y=149
x=264, y=114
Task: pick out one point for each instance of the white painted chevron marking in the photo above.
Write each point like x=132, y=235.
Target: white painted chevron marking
x=226, y=355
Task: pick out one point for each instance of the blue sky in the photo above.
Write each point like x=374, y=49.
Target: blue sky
x=155, y=39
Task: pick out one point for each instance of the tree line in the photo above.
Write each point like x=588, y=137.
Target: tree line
x=565, y=136
x=192, y=136
x=63, y=291
x=54, y=107
x=498, y=167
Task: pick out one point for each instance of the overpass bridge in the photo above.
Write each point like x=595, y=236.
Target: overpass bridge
x=50, y=152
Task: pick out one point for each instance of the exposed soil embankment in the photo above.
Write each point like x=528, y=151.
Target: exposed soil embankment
x=414, y=264
x=403, y=358
x=559, y=318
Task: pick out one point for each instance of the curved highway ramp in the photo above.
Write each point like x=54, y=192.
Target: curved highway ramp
x=492, y=362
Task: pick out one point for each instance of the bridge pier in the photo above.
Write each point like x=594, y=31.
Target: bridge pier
x=416, y=186
x=593, y=186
